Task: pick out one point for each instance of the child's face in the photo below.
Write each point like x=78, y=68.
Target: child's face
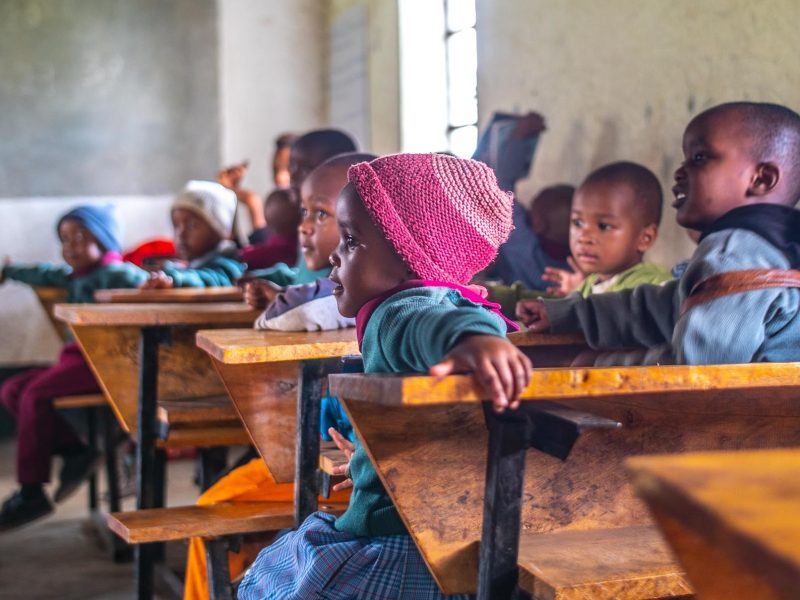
x=194, y=237
x=319, y=234
x=78, y=247
x=717, y=171
x=606, y=234
x=365, y=264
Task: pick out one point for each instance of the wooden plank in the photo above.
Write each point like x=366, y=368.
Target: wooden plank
x=113, y=355
x=330, y=456
x=84, y=401
x=221, y=434
x=732, y=518
x=187, y=295
x=249, y=346
x=562, y=384
x=265, y=396
x=527, y=338
x=602, y=564
x=48, y=298
x=196, y=410
x=435, y=473
x=142, y=315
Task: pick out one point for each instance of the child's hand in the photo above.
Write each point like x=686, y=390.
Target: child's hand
x=348, y=448
x=158, y=281
x=533, y=315
x=566, y=282
x=258, y=293
x=500, y=368
x=231, y=177
x=530, y=125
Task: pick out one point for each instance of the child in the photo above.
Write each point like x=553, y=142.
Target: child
x=309, y=307
x=414, y=229
x=283, y=217
x=614, y=221
x=307, y=153
x=737, y=301
x=90, y=245
x=202, y=215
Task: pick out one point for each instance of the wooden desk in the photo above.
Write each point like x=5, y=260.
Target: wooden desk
x=276, y=380
x=429, y=443
x=48, y=298
x=141, y=353
x=732, y=518
x=184, y=295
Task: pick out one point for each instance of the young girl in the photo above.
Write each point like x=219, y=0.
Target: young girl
x=91, y=248
x=415, y=228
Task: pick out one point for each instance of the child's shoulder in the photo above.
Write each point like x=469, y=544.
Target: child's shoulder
x=732, y=249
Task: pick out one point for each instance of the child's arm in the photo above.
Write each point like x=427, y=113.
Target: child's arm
x=641, y=316
x=309, y=307
x=222, y=272
x=44, y=274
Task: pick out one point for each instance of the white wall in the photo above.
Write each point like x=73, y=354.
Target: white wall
x=620, y=80
x=271, y=80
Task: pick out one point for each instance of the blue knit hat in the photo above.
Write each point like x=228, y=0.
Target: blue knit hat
x=100, y=221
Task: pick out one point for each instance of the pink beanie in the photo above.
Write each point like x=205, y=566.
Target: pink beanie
x=445, y=216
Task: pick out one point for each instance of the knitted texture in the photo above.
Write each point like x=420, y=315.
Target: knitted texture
x=102, y=223
x=445, y=216
x=215, y=203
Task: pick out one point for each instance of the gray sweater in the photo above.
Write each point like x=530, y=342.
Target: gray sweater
x=755, y=326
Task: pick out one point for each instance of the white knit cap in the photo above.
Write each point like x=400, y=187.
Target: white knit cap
x=215, y=203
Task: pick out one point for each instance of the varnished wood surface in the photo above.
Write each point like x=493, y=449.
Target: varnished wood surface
x=265, y=397
x=196, y=410
x=142, y=315
x=84, y=401
x=220, y=434
x=248, y=346
x=330, y=456
x=187, y=295
x=571, y=383
x=112, y=352
x=732, y=518
x=524, y=338
x=48, y=298
x=602, y=564
x=432, y=457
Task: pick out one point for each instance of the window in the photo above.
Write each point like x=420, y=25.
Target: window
x=461, y=56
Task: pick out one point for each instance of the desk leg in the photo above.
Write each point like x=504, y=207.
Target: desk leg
x=502, y=505
x=309, y=394
x=148, y=470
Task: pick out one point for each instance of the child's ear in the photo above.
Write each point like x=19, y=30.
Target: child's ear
x=647, y=237
x=764, y=179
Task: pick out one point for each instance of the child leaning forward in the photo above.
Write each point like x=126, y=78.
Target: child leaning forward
x=414, y=230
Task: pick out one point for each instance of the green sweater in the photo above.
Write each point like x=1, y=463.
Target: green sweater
x=408, y=333
x=79, y=289
x=215, y=271
x=283, y=275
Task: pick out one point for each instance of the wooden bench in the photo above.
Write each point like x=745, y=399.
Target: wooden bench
x=179, y=295
x=731, y=518
x=145, y=353
x=452, y=492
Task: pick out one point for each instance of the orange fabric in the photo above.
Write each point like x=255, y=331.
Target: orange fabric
x=249, y=483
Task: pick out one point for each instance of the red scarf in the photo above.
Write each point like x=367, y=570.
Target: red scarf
x=365, y=312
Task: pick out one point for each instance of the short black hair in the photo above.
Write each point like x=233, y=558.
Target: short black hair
x=325, y=143
x=347, y=159
x=773, y=132
x=645, y=185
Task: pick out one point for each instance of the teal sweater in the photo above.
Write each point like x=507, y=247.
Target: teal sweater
x=79, y=289
x=408, y=333
x=216, y=270
x=283, y=275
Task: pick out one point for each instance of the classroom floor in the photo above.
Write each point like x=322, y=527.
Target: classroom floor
x=58, y=556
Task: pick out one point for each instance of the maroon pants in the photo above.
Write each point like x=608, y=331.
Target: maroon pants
x=41, y=431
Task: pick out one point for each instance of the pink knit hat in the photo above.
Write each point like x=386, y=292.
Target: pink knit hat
x=445, y=216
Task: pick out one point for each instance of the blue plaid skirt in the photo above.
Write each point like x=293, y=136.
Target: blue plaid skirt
x=320, y=563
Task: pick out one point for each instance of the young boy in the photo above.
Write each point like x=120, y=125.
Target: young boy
x=614, y=221
x=202, y=215
x=737, y=301
x=308, y=152
x=308, y=307
x=90, y=245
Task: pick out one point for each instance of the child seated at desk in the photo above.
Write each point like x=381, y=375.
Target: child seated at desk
x=91, y=247
x=306, y=307
x=613, y=222
x=202, y=216
x=738, y=300
x=280, y=245
x=415, y=229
